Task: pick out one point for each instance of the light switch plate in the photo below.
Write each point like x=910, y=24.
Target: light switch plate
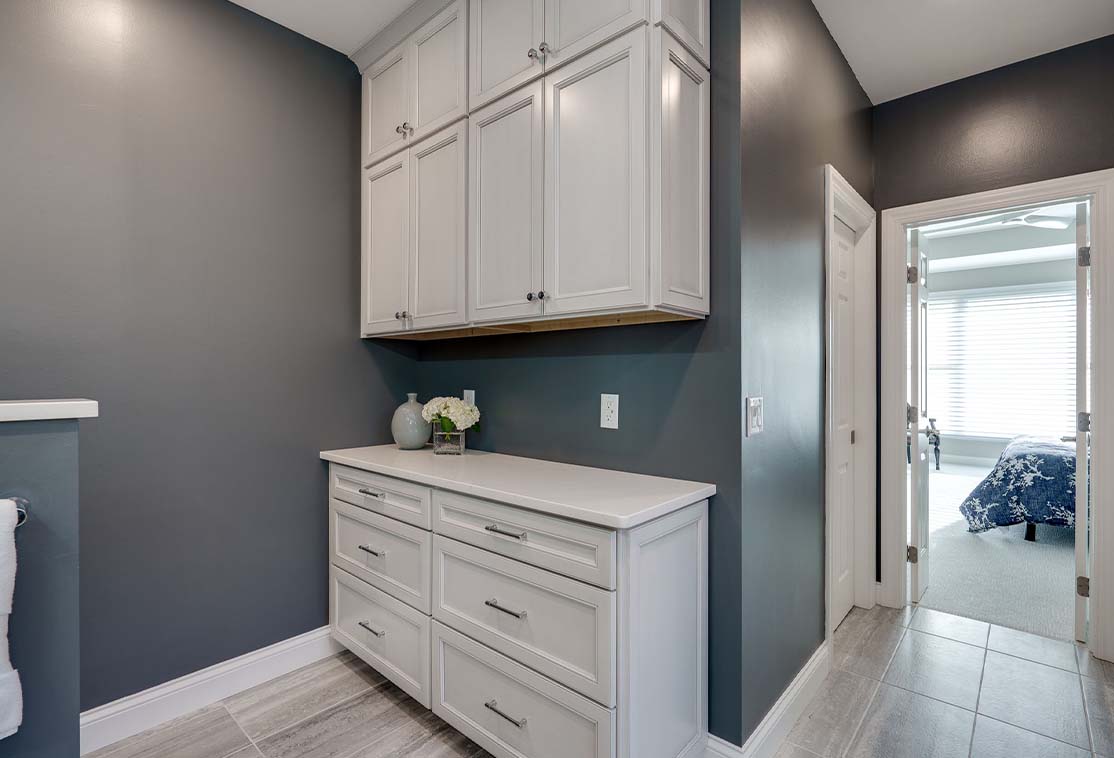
x=609, y=411
x=755, y=422
x=470, y=396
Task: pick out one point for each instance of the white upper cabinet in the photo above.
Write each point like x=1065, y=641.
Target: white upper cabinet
x=417, y=88
x=504, y=37
x=385, y=219
x=505, y=200
x=573, y=27
x=596, y=178
x=690, y=22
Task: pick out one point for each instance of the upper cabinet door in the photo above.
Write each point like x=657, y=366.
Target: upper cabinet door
x=385, y=224
x=503, y=50
x=386, y=104
x=595, y=178
x=505, y=206
x=438, y=167
x=690, y=22
x=438, y=59
x=679, y=135
x=573, y=27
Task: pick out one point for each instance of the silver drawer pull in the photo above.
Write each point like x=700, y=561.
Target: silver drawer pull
x=494, y=603
x=370, y=628
x=376, y=553
x=371, y=493
x=499, y=530
x=493, y=705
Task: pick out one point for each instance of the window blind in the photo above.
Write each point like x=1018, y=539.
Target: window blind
x=1001, y=362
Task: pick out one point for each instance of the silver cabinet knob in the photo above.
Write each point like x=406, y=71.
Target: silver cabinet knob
x=541, y=294
x=530, y=296
x=405, y=314
x=399, y=129
x=544, y=49
x=398, y=314
x=406, y=127
x=532, y=54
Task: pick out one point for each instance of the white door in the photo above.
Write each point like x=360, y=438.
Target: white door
x=507, y=160
x=440, y=88
x=919, y=449
x=386, y=105
x=595, y=179
x=438, y=215
x=1083, y=405
x=841, y=467
x=503, y=49
x=573, y=27
x=385, y=200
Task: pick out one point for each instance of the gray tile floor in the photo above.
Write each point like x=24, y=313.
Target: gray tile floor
x=926, y=684
x=335, y=708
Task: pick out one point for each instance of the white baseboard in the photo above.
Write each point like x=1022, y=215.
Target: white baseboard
x=136, y=713
x=767, y=738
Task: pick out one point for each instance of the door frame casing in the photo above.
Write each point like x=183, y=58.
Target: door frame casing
x=842, y=202
x=893, y=526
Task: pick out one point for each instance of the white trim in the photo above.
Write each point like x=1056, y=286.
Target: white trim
x=46, y=410
x=842, y=202
x=144, y=710
x=1100, y=186
x=770, y=734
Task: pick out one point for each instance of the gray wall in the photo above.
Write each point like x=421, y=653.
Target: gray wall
x=179, y=206
x=801, y=108
x=38, y=462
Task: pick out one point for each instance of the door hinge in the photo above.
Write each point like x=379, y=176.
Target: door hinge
x=911, y=553
x=910, y=414
x=1085, y=256
x=1083, y=423
x=852, y=436
x=912, y=276
x=1083, y=586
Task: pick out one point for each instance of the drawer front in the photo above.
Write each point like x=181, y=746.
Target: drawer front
x=389, y=635
x=391, y=497
x=567, y=547
x=393, y=556
x=558, y=626
x=511, y=711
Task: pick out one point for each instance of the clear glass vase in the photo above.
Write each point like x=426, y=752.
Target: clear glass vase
x=447, y=443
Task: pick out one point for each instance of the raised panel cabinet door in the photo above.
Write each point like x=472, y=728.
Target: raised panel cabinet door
x=386, y=105
x=679, y=167
x=438, y=213
x=595, y=255
x=573, y=27
x=439, y=60
x=503, y=50
x=689, y=21
x=506, y=164
x=385, y=230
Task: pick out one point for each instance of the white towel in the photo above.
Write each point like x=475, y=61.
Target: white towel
x=11, y=693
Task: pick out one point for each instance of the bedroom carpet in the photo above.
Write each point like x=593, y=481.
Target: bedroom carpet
x=997, y=576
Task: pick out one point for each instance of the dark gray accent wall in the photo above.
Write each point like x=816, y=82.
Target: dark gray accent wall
x=179, y=210
x=801, y=108
x=38, y=462
x=1039, y=119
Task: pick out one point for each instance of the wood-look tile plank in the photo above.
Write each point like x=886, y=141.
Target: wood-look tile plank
x=1035, y=697
x=789, y=750
x=865, y=640
x=425, y=737
x=1034, y=648
x=1092, y=666
x=828, y=724
x=996, y=739
x=281, y=702
x=903, y=724
x=207, y=733
x=937, y=667
x=953, y=627
x=251, y=751
x=1100, y=712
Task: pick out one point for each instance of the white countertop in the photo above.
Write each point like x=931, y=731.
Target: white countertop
x=46, y=410
x=612, y=499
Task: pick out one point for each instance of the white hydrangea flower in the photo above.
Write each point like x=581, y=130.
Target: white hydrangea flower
x=462, y=415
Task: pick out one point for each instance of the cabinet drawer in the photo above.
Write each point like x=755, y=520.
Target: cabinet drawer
x=389, y=635
x=389, y=554
x=511, y=711
x=558, y=626
x=381, y=494
x=567, y=547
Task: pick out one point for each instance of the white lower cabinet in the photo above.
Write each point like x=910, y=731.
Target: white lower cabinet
x=535, y=635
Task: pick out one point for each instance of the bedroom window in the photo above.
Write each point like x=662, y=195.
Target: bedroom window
x=1001, y=361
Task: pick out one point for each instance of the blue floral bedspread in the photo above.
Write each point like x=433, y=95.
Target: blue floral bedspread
x=1034, y=481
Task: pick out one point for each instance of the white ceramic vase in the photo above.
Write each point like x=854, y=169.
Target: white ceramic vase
x=409, y=429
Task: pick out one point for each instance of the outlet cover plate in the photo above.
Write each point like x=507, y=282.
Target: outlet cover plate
x=609, y=411
x=469, y=396
x=755, y=421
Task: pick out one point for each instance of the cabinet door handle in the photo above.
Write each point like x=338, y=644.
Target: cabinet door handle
x=406, y=127
x=532, y=54
x=371, y=493
x=493, y=705
x=377, y=632
x=398, y=314
x=399, y=129
x=541, y=294
x=494, y=603
x=499, y=530
x=544, y=49
x=405, y=314
x=376, y=553
x=530, y=296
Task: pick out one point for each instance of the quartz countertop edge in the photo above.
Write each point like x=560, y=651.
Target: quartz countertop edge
x=602, y=497
x=47, y=410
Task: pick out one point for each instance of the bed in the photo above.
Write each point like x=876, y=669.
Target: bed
x=1032, y=482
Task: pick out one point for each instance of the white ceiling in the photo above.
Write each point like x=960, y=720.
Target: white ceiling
x=897, y=47
x=343, y=25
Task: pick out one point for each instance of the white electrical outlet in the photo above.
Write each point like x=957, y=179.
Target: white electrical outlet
x=609, y=411
x=756, y=422
x=470, y=396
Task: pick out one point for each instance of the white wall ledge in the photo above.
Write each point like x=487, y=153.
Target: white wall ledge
x=46, y=410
